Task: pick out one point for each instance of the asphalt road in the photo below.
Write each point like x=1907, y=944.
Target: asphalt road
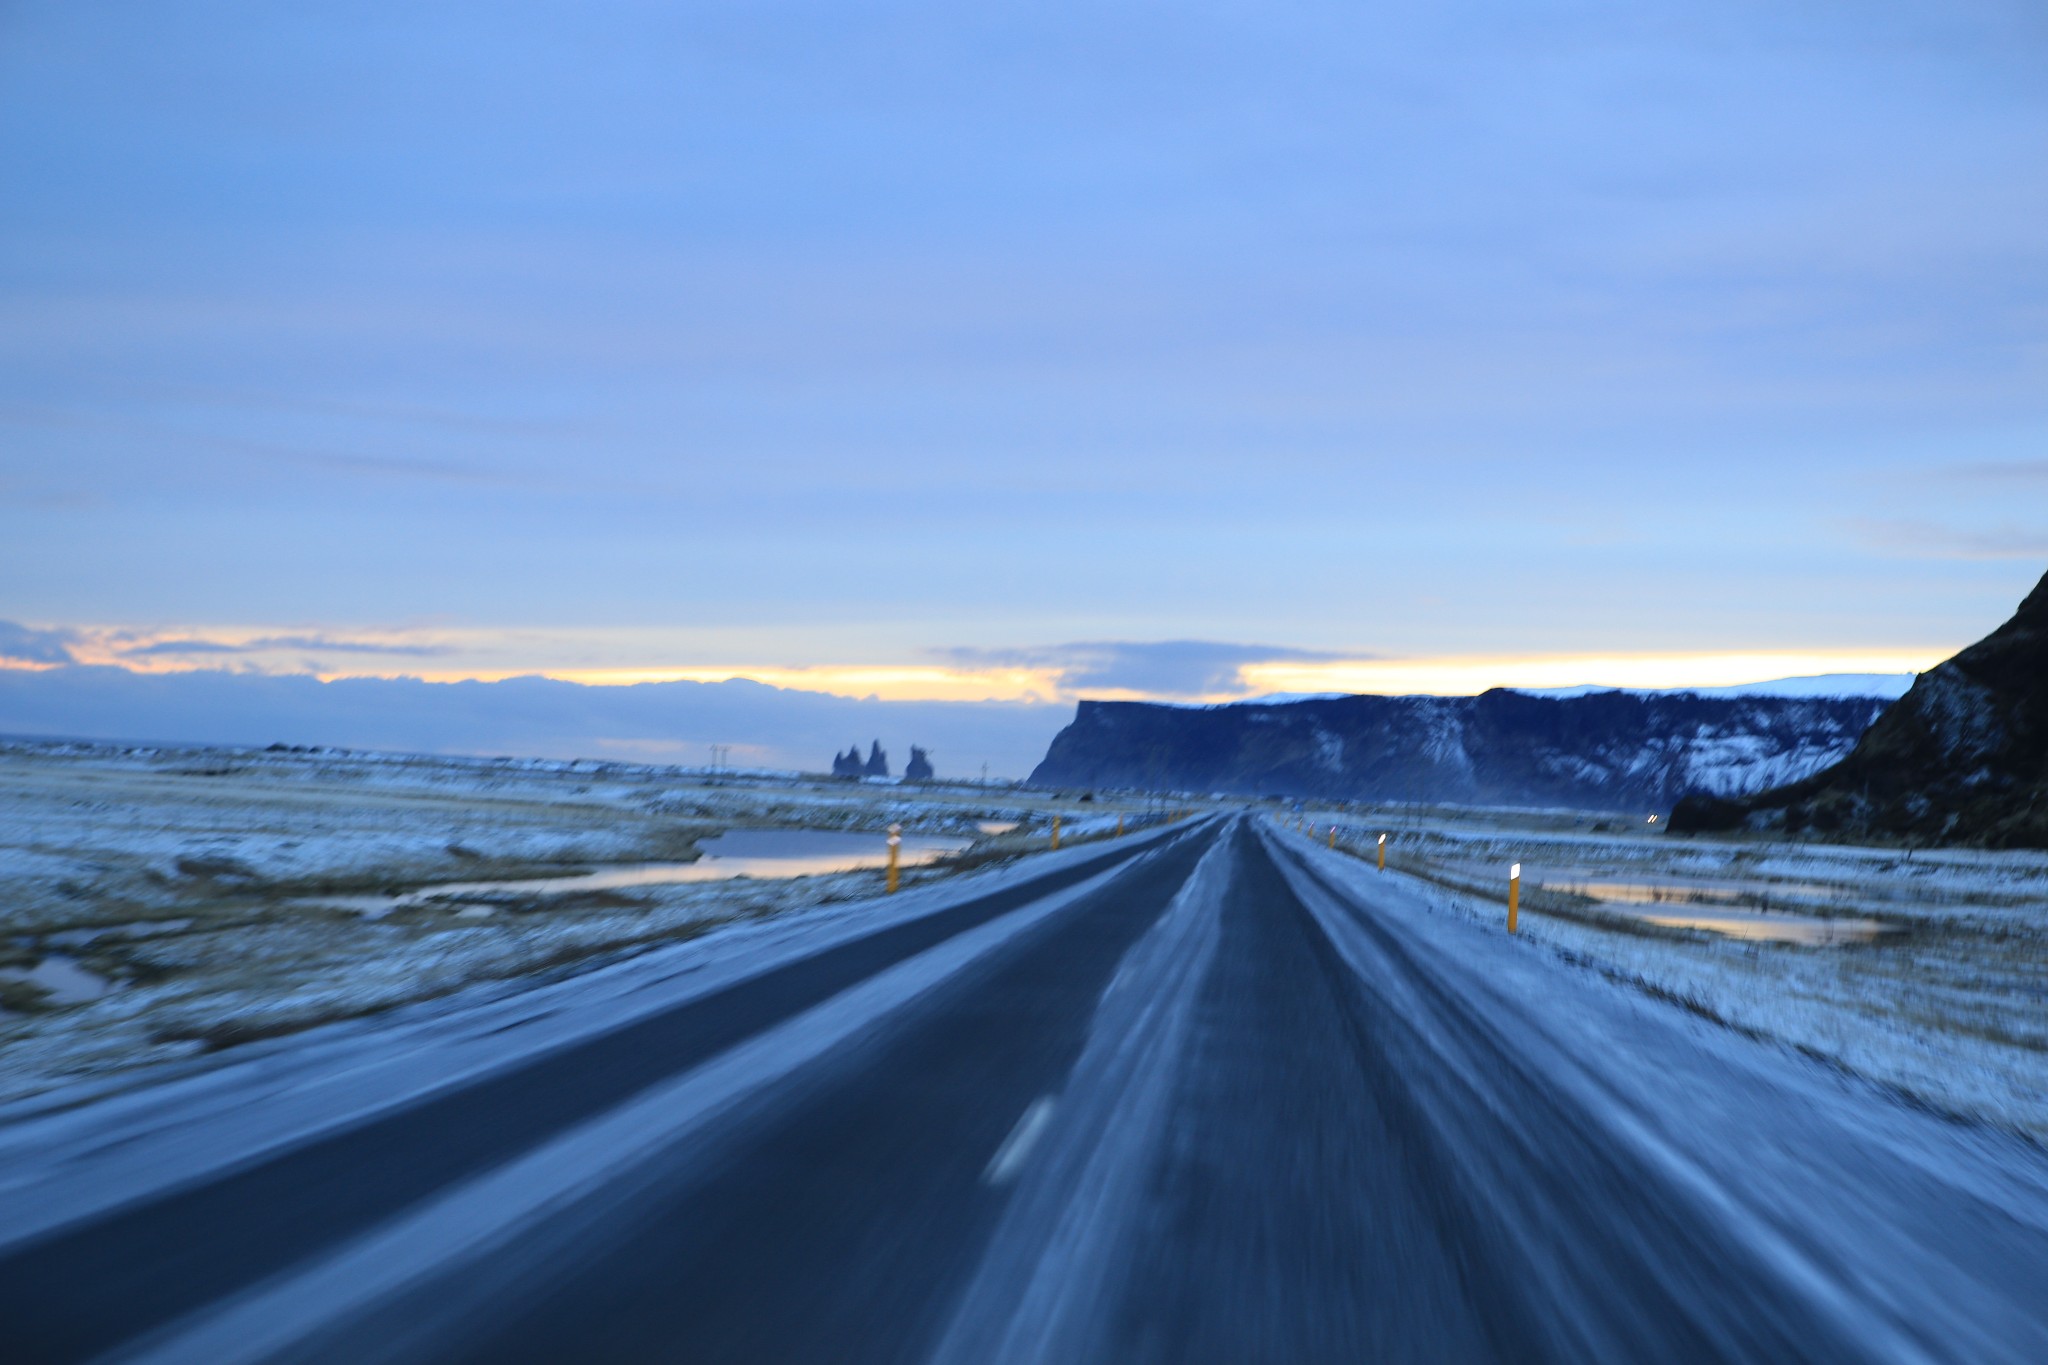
x=1202, y=1099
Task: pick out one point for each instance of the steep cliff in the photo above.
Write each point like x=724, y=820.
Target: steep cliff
x=1606, y=750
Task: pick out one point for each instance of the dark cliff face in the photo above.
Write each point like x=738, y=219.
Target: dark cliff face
x=1608, y=750
x=1961, y=758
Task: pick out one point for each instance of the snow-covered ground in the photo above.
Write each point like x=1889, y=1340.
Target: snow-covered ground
x=1948, y=1005
x=157, y=903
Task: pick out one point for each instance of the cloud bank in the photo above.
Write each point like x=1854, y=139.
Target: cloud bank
x=670, y=722
x=1164, y=668
x=27, y=645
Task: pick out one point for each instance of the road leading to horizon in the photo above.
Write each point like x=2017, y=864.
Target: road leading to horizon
x=1213, y=1094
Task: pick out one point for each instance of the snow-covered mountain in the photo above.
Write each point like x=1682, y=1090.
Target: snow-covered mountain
x=1605, y=750
x=1890, y=686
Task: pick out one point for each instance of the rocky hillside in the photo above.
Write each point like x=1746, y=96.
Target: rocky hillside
x=1961, y=758
x=1604, y=751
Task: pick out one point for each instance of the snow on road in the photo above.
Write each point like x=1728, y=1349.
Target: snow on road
x=1948, y=1004
x=1828, y=1177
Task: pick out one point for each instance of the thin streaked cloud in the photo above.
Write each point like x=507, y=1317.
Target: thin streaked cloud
x=262, y=644
x=1932, y=540
x=1162, y=668
x=2007, y=471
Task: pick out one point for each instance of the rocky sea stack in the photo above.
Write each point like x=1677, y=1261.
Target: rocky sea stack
x=1962, y=758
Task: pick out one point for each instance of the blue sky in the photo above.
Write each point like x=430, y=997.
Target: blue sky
x=945, y=350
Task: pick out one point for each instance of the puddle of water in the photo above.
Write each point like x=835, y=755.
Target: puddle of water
x=66, y=982
x=994, y=827
x=1734, y=908
x=759, y=853
x=1761, y=928
x=1706, y=890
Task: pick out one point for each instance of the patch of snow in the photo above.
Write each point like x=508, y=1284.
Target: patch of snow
x=61, y=979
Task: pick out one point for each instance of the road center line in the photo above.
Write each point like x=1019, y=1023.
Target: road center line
x=1010, y=1157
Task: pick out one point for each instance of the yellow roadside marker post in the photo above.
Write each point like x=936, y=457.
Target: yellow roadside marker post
x=1055, y=833
x=1119, y=826
x=895, y=850
x=1514, y=894
x=1333, y=836
x=1383, y=853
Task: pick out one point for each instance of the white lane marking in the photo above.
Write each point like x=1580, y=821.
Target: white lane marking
x=1009, y=1158
x=1050, y=1269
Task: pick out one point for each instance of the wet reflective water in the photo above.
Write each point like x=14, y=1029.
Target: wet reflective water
x=758, y=853
x=1732, y=907
x=1659, y=892
x=994, y=827
x=1763, y=928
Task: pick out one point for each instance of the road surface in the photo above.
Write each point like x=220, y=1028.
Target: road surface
x=1214, y=1094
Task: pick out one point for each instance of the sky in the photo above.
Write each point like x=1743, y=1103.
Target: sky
x=1026, y=352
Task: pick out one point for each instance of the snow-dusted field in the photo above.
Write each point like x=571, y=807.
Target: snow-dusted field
x=158, y=903
x=1947, y=1005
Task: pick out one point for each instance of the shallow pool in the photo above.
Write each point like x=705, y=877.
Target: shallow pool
x=1734, y=907
x=757, y=853
x=1660, y=891
x=1807, y=930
